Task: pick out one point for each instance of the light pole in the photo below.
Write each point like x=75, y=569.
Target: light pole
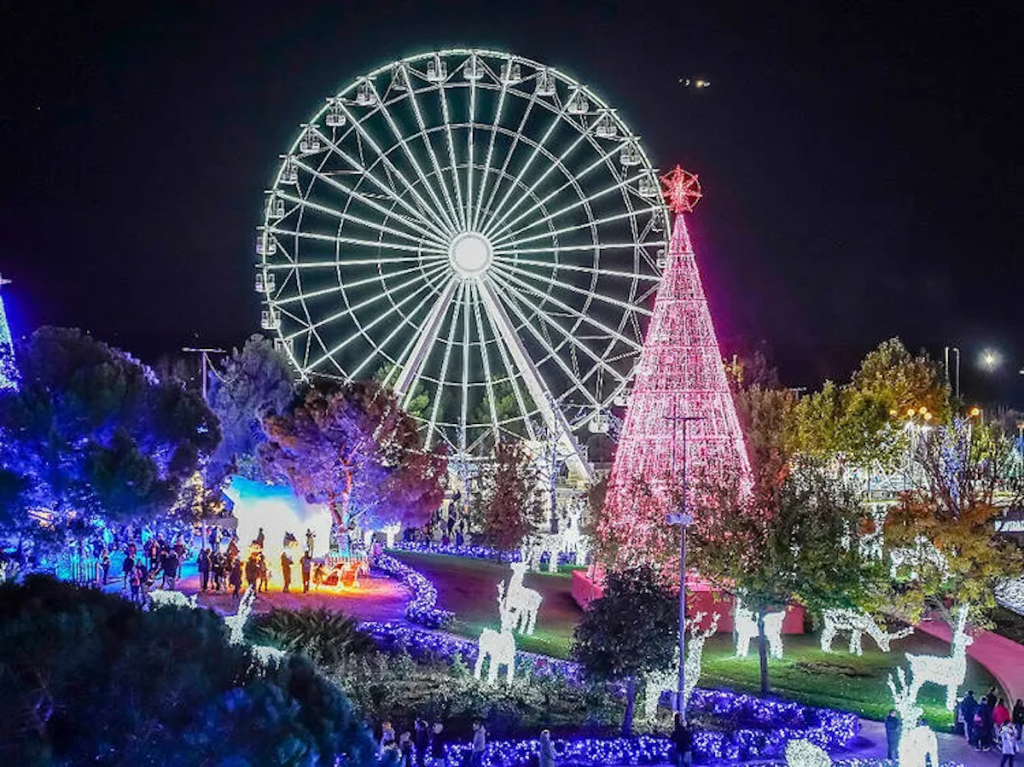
x=955, y=380
x=684, y=520
x=205, y=357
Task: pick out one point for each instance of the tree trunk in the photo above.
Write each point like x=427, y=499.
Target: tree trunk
x=762, y=650
x=627, y=719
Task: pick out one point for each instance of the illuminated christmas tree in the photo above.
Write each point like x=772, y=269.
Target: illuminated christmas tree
x=8, y=368
x=679, y=384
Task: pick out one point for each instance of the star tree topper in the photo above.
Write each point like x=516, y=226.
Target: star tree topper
x=682, y=190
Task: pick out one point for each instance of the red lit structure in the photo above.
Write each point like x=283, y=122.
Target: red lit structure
x=680, y=375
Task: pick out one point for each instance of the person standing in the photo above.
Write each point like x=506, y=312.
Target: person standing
x=204, y=568
x=307, y=569
x=422, y=730
x=547, y=750
x=127, y=565
x=1018, y=717
x=476, y=757
x=264, y=575
x=310, y=540
x=104, y=566
x=1008, y=741
x=260, y=538
x=217, y=568
x=893, y=727
x=252, y=570
x=983, y=725
x=968, y=707
x=405, y=752
x=135, y=583
x=235, y=578
x=437, y=752
x=170, y=570
x=681, y=739
x=387, y=739
x=286, y=570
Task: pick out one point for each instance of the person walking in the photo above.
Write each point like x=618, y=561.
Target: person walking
x=547, y=750
x=682, y=740
x=286, y=570
x=422, y=738
x=387, y=739
x=1008, y=741
x=476, y=756
x=235, y=578
x=893, y=727
x=127, y=565
x=135, y=583
x=170, y=570
x=437, y=752
x=217, y=568
x=204, y=568
x=264, y=575
x=983, y=725
x=1018, y=717
x=307, y=569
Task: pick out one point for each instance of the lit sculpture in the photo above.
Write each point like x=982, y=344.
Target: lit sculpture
x=538, y=545
x=680, y=374
x=499, y=646
x=236, y=622
x=164, y=598
x=948, y=672
x=745, y=625
x=668, y=681
x=803, y=753
x=1010, y=594
x=857, y=623
x=390, y=531
x=917, y=742
x=573, y=539
x=522, y=601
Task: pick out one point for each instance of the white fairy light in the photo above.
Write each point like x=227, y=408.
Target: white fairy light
x=390, y=531
x=917, y=742
x=745, y=625
x=236, y=622
x=1010, y=594
x=948, y=672
x=667, y=681
x=164, y=598
x=499, y=646
x=537, y=546
x=857, y=623
x=523, y=602
x=803, y=753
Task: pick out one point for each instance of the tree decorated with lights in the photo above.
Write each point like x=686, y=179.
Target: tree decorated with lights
x=680, y=376
x=8, y=366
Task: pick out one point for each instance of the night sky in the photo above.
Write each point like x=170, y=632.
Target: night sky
x=862, y=168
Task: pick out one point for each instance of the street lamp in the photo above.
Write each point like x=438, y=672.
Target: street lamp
x=684, y=520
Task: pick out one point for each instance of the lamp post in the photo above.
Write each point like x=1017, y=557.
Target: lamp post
x=684, y=520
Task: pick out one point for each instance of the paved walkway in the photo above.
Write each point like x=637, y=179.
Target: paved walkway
x=1001, y=657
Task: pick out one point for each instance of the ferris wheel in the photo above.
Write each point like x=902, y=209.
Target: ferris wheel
x=480, y=232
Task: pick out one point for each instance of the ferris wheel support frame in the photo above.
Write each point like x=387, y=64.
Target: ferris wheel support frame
x=410, y=373
x=542, y=397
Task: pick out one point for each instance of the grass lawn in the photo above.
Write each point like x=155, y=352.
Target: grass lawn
x=468, y=587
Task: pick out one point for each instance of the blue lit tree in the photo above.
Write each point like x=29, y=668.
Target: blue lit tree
x=94, y=436
x=8, y=366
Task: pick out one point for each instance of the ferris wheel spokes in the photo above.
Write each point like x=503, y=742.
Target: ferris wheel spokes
x=420, y=346
x=485, y=356
x=504, y=259
x=485, y=173
x=446, y=116
x=446, y=356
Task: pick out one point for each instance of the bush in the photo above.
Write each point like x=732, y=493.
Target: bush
x=327, y=637
x=88, y=678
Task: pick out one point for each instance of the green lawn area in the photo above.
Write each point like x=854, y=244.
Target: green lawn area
x=468, y=588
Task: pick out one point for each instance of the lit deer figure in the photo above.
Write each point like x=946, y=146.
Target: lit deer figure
x=945, y=672
x=917, y=742
x=522, y=601
x=858, y=624
x=668, y=681
x=745, y=625
x=500, y=646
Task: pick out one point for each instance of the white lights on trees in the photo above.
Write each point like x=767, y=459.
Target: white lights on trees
x=498, y=646
x=390, y=531
x=803, y=753
x=536, y=547
x=948, y=672
x=236, y=622
x=745, y=625
x=858, y=624
x=917, y=742
x=523, y=602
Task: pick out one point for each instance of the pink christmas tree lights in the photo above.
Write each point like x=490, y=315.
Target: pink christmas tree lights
x=680, y=375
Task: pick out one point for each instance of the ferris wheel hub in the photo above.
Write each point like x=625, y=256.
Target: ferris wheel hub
x=470, y=255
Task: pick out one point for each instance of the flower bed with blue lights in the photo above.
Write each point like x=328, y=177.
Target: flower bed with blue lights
x=757, y=728
x=475, y=552
x=422, y=608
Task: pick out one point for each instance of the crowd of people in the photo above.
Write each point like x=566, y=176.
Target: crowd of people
x=140, y=569
x=989, y=725
x=426, y=744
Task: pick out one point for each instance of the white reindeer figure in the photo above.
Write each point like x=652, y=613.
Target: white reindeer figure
x=571, y=535
x=745, y=625
x=857, y=623
x=534, y=549
x=522, y=601
x=803, y=753
x=390, y=531
x=945, y=672
x=917, y=742
x=166, y=598
x=499, y=645
x=668, y=681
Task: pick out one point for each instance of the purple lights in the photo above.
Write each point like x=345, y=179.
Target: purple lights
x=422, y=608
